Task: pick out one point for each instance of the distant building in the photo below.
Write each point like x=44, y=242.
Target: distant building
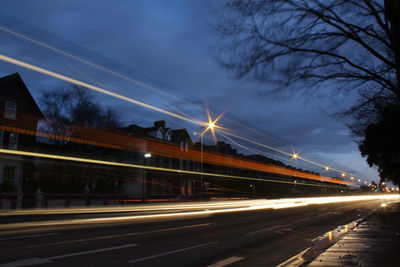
x=19, y=117
x=160, y=184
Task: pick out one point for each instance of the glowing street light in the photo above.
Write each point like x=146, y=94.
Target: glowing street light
x=146, y=157
x=343, y=174
x=327, y=168
x=295, y=155
x=208, y=126
x=352, y=177
x=211, y=125
x=359, y=180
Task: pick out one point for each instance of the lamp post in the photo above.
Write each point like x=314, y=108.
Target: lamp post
x=210, y=126
x=201, y=159
x=146, y=157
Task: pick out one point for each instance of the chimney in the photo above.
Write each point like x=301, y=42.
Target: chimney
x=159, y=124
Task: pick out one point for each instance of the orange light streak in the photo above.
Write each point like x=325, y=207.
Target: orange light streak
x=142, y=104
x=160, y=148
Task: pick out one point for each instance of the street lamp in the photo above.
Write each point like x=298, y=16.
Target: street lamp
x=202, y=129
x=253, y=188
x=146, y=157
x=209, y=126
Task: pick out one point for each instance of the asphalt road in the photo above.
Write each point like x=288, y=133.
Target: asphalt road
x=251, y=238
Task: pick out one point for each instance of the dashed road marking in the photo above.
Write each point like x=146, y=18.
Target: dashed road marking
x=27, y=236
x=117, y=235
x=301, y=220
x=226, y=261
x=173, y=252
x=269, y=229
x=92, y=251
x=36, y=260
x=26, y=262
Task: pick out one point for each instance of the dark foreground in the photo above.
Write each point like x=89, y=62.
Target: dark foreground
x=375, y=242
x=257, y=238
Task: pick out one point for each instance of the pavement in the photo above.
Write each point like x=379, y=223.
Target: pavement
x=373, y=240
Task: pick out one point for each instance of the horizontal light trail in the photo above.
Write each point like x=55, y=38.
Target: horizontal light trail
x=117, y=141
x=225, y=131
x=145, y=105
x=94, y=88
x=210, y=208
x=119, y=164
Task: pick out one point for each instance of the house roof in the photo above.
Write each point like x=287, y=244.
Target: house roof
x=134, y=130
x=16, y=81
x=179, y=134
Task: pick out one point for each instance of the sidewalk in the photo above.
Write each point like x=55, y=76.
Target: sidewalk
x=375, y=242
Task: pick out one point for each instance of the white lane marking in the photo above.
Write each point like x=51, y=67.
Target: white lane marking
x=118, y=235
x=26, y=262
x=27, y=236
x=173, y=252
x=267, y=229
x=323, y=214
x=92, y=251
x=301, y=220
x=227, y=261
x=34, y=261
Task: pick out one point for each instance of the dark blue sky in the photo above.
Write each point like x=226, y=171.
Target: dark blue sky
x=167, y=45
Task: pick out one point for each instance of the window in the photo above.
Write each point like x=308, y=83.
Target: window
x=9, y=174
x=159, y=134
x=13, y=141
x=10, y=111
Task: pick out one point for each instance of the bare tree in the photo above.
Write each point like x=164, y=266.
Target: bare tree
x=314, y=45
x=75, y=106
x=69, y=113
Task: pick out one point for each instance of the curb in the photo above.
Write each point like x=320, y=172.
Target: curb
x=322, y=243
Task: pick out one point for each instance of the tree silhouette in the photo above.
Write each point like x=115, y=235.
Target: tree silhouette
x=70, y=112
x=381, y=144
x=309, y=45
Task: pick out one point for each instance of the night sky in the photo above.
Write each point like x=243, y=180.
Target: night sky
x=168, y=45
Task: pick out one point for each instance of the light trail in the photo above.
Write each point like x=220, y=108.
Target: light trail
x=119, y=164
x=116, y=141
x=256, y=143
x=225, y=131
x=42, y=44
x=142, y=104
x=94, y=88
x=193, y=209
x=251, y=149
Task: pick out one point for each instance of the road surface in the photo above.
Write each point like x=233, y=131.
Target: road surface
x=246, y=238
